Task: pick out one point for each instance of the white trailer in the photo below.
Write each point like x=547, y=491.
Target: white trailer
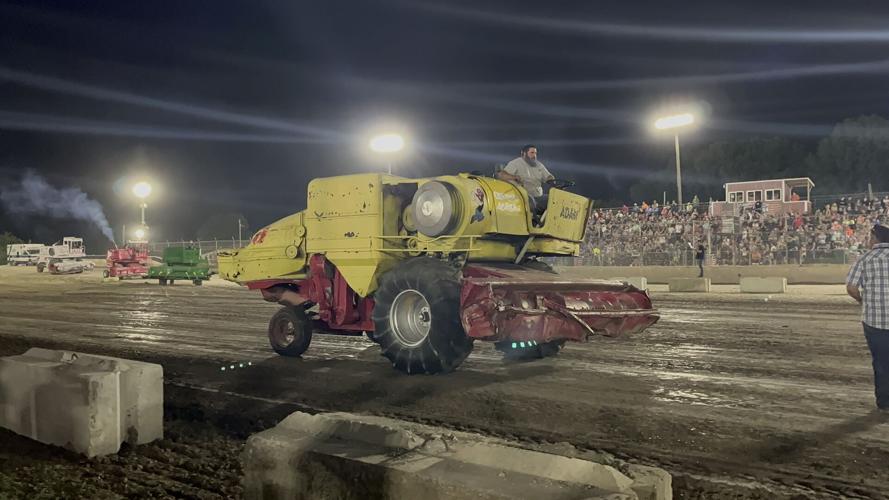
x=23, y=254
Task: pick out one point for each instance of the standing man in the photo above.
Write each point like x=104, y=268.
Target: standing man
x=700, y=255
x=530, y=173
x=868, y=283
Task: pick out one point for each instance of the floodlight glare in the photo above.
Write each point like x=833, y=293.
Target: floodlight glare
x=139, y=233
x=142, y=189
x=674, y=121
x=387, y=143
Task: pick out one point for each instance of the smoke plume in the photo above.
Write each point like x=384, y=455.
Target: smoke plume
x=35, y=196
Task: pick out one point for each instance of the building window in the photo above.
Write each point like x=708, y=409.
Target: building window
x=736, y=197
x=773, y=195
x=754, y=196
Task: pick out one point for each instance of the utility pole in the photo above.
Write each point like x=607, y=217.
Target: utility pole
x=678, y=172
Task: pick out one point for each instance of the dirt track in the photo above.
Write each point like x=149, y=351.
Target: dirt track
x=737, y=396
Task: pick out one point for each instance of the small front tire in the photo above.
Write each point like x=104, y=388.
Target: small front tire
x=290, y=331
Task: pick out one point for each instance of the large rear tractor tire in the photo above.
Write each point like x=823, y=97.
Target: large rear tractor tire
x=290, y=331
x=417, y=317
x=527, y=353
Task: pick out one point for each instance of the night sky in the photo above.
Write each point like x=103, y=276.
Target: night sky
x=231, y=107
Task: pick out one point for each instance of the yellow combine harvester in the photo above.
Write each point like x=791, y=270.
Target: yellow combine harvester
x=427, y=266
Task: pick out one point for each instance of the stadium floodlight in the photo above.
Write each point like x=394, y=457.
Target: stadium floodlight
x=675, y=123
x=142, y=190
x=387, y=144
x=139, y=234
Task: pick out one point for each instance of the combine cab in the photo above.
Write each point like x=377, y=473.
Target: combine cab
x=181, y=263
x=427, y=266
x=130, y=261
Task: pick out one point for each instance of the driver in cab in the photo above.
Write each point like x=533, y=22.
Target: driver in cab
x=530, y=173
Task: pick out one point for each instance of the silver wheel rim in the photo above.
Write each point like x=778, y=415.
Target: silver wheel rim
x=410, y=318
x=285, y=333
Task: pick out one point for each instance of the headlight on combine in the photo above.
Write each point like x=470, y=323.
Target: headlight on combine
x=435, y=208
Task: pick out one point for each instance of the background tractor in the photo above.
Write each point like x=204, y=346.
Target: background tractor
x=181, y=263
x=427, y=266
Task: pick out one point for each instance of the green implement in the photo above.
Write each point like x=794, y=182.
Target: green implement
x=181, y=263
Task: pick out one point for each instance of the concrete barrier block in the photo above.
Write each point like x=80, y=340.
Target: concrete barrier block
x=89, y=404
x=763, y=285
x=309, y=456
x=640, y=282
x=651, y=483
x=689, y=284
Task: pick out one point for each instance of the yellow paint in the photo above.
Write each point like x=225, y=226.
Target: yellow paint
x=275, y=251
x=356, y=221
x=566, y=216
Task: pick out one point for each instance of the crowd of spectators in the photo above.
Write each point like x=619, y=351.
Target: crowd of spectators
x=653, y=234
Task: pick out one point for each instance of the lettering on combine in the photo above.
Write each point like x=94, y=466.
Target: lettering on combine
x=569, y=213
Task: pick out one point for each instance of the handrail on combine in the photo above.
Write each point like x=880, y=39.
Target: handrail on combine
x=471, y=239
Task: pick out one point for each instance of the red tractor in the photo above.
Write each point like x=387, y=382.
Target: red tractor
x=130, y=261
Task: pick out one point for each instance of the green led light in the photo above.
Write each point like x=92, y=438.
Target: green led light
x=514, y=345
x=522, y=344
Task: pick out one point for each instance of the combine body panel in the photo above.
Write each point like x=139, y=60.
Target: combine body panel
x=426, y=266
x=181, y=263
x=130, y=261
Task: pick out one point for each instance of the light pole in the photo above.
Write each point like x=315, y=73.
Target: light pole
x=387, y=144
x=142, y=190
x=675, y=123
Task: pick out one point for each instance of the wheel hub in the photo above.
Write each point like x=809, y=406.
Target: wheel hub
x=410, y=318
x=285, y=332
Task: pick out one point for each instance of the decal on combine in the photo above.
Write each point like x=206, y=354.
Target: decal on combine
x=259, y=237
x=570, y=213
x=507, y=202
x=479, y=214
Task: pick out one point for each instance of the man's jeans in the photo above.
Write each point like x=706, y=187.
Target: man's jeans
x=878, y=342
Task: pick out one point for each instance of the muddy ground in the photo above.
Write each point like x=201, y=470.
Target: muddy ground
x=737, y=396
